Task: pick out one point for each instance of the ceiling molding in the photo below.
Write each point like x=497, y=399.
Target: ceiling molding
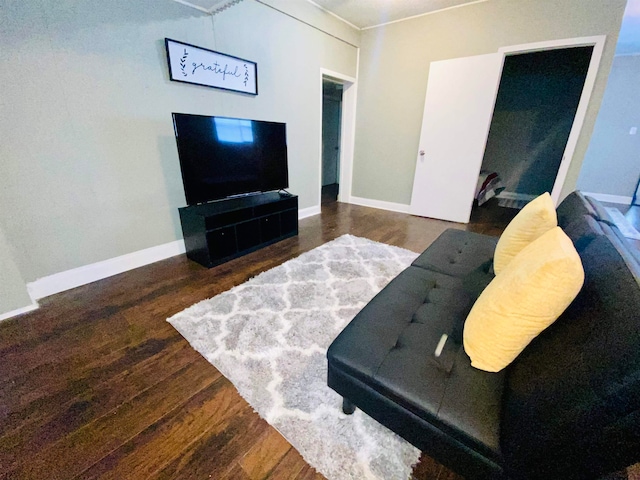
x=333, y=14
x=423, y=14
x=197, y=7
x=213, y=7
x=217, y=7
x=216, y=10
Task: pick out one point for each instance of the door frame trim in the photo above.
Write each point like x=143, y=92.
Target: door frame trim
x=347, y=133
x=597, y=42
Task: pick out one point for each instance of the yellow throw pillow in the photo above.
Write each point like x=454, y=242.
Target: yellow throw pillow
x=536, y=218
x=528, y=296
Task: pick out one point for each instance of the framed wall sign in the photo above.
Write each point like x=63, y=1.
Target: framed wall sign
x=191, y=64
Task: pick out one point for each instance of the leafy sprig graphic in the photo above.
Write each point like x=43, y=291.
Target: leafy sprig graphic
x=183, y=62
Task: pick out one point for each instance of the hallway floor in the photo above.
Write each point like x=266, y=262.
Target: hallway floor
x=632, y=214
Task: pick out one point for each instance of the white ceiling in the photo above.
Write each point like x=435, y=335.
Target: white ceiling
x=359, y=13
x=369, y=13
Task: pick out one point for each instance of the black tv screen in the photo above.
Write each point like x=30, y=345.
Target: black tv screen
x=222, y=157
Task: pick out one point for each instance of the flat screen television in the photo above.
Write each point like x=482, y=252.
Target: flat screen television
x=222, y=157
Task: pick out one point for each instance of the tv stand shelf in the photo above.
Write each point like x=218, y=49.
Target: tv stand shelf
x=219, y=231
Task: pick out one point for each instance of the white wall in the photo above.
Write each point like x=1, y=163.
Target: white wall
x=612, y=163
x=320, y=19
x=13, y=293
x=394, y=70
x=89, y=166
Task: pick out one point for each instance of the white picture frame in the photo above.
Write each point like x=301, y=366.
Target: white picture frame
x=201, y=66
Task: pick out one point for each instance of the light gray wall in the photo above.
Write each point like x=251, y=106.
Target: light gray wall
x=13, y=293
x=394, y=66
x=89, y=166
x=318, y=18
x=612, y=163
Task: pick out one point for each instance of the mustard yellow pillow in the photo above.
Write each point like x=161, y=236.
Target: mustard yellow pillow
x=527, y=297
x=536, y=218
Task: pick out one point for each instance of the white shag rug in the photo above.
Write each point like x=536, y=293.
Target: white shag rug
x=269, y=337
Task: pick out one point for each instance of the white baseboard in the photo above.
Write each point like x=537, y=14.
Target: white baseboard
x=515, y=196
x=368, y=202
x=19, y=311
x=76, y=277
x=605, y=197
x=308, y=212
x=59, y=282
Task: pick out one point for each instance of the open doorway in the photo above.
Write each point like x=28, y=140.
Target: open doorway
x=331, y=136
x=534, y=113
x=335, y=177
x=459, y=105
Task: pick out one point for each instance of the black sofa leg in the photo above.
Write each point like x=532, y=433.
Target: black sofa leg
x=348, y=407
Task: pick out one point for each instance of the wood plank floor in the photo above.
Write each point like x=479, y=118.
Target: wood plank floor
x=96, y=383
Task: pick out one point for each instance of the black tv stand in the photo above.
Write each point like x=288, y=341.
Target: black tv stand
x=219, y=231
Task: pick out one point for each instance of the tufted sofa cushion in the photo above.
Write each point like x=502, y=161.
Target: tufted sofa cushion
x=393, y=326
x=384, y=359
x=457, y=253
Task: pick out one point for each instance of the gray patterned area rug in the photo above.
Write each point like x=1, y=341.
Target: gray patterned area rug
x=269, y=337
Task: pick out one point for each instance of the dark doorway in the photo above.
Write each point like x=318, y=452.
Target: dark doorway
x=535, y=109
x=331, y=123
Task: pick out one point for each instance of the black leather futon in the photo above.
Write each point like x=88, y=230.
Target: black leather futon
x=569, y=405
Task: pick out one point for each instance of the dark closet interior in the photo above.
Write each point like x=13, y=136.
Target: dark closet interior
x=535, y=108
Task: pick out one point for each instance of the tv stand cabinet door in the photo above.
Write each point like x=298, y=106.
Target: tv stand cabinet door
x=248, y=235
x=222, y=243
x=289, y=222
x=270, y=227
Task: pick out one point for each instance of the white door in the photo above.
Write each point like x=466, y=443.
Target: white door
x=459, y=104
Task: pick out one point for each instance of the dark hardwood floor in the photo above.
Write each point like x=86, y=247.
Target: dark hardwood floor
x=96, y=383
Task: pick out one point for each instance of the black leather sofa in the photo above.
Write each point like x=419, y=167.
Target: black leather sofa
x=568, y=407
